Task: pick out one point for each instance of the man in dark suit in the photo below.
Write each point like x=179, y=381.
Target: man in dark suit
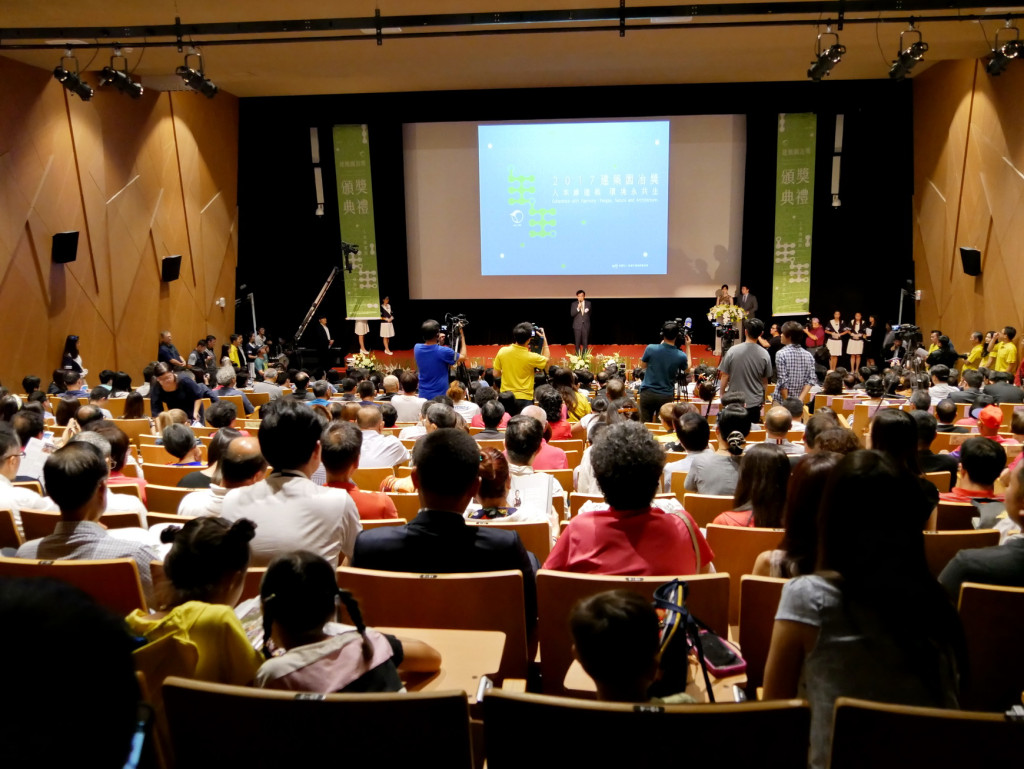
x=929, y=461
x=446, y=475
x=971, y=387
x=747, y=301
x=580, y=312
x=1001, y=387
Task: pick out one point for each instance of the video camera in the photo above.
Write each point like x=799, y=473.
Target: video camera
x=453, y=323
x=910, y=334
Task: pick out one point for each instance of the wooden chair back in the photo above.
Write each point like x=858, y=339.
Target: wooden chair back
x=577, y=500
x=407, y=505
x=535, y=535
x=558, y=592
x=115, y=406
x=941, y=546
x=369, y=478
x=573, y=458
x=178, y=520
x=165, y=475
x=775, y=732
x=434, y=727
x=940, y=480
x=237, y=400
x=165, y=499
x=257, y=399
x=492, y=443
x=403, y=471
x=131, y=489
x=135, y=428
x=564, y=478
x=250, y=587
x=121, y=520
x=37, y=524
x=993, y=619
x=490, y=600
x=35, y=486
x=379, y=523
x=114, y=583
x=9, y=534
x=706, y=507
x=876, y=734
x=158, y=455
x=759, y=600
x=736, y=548
x=677, y=484
x=569, y=445
x=955, y=516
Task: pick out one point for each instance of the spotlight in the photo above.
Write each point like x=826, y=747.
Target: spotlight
x=119, y=78
x=828, y=58
x=908, y=56
x=71, y=79
x=1003, y=54
x=195, y=79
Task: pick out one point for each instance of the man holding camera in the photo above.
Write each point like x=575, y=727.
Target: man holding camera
x=515, y=364
x=433, y=360
x=662, y=363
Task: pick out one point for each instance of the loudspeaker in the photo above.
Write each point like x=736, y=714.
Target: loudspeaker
x=971, y=258
x=170, y=268
x=65, y=247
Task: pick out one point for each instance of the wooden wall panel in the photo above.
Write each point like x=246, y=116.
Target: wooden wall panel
x=980, y=206
x=112, y=169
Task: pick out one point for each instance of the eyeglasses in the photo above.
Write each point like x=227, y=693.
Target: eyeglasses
x=19, y=455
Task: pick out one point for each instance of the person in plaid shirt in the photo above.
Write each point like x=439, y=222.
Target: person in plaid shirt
x=794, y=364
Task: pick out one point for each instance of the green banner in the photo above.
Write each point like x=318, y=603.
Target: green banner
x=355, y=207
x=794, y=214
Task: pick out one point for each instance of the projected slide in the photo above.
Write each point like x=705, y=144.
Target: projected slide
x=574, y=198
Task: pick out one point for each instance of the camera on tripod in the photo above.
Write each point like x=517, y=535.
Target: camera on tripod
x=453, y=323
x=910, y=334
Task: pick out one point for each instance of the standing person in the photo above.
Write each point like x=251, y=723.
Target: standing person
x=746, y=368
x=855, y=346
x=362, y=329
x=794, y=364
x=972, y=360
x=261, y=336
x=722, y=295
x=661, y=363
x=515, y=364
x=387, y=325
x=168, y=353
x=872, y=340
x=1004, y=349
x=72, y=358
x=580, y=312
x=198, y=358
x=748, y=302
x=433, y=360
x=324, y=342
x=815, y=334
x=174, y=392
x=836, y=331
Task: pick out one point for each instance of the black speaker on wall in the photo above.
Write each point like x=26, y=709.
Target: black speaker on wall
x=65, y=247
x=170, y=268
x=971, y=259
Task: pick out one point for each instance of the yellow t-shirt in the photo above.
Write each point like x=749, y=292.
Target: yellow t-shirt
x=516, y=364
x=974, y=358
x=581, y=409
x=1006, y=357
x=933, y=348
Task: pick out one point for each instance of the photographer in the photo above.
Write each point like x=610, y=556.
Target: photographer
x=662, y=363
x=515, y=363
x=433, y=360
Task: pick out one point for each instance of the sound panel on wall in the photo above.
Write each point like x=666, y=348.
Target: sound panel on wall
x=170, y=268
x=65, y=247
x=971, y=259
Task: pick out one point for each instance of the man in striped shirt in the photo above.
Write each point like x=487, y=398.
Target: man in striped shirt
x=794, y=364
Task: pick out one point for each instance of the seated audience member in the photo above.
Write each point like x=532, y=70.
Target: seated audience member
x=796, y=409
x=180, y=442
x=777, y=424
x=74, y=384
x=366, y=391
x=997, y=565
x=719, y=472
x=408, y=404
x=945, y=413
x=66, y=410
x=871, y=622
x=346, y=412
x=16, y=498
x=348, y=387
x=836, y=440
x=929, y=461
x=391, y=385
x=135, y=408
x=291, y=511
x=97, y=716
x=491, y=501
x=616, y=637
x=492, y=414
x=549, y=457
x=269, y=385
x=29, y=424
x=30, y=383
x=223, y=414
x=119, y=445
x=98, y=397
x=378, y=450
x=84, y=417
x=57, y=385
x=462, y=405
x=630, y=536
x=694, y=436
x=446, y=474
x=300, y=597
x=761, y=490
x=202, y=479
x=550, y=401
x=341, y=443
x=436, y=415
x=524, y=440
x=981, y=463
x=999, y=385
x=567, y=383
x=970, y=384
x=115, y=503
x=205, y=570
x=388, y=414
x=226, y=379
x=483, y=396
x=76, y=477
x=920, y=400
x=895, y=434
x=798, y=551
x=240, y=464
x=940, y=387
x=301, y=391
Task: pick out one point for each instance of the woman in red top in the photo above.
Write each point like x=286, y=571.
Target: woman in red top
x=761, y=489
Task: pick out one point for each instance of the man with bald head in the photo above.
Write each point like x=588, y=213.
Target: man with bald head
x=549, y=457
x=777, y=424
x=241, y=464
x=378, y=450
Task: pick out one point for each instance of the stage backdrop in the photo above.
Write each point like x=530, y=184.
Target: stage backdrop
x=355, y=210
x=794, y=214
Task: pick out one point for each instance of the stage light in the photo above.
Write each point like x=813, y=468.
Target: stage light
x=119, y=78
x=827, y=59
x=71, y=79
x=1003, y=54
x=909, y=56
x=195, y=79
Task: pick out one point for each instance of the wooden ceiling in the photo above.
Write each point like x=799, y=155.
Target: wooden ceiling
x=649, y=53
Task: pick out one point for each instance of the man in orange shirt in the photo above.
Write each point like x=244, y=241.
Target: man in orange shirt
x=340, y=445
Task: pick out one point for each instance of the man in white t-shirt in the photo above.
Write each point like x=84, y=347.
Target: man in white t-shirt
x=241, y=464
x=408, y=404
x=378, y=450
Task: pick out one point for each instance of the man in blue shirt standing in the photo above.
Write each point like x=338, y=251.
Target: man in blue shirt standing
x=662, y=362
x=433, y=360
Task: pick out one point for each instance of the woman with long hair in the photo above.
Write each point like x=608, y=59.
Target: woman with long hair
x=577, y=405
x=760, y=494
x=718, y=472
x=71, y=358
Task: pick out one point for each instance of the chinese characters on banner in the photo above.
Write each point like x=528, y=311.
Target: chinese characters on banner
x=355, y=206
x=794, y=214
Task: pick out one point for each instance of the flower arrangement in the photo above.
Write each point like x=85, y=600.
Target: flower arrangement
x=726, y=314
x=581, y=362
x=364, y=360
x=604, y=360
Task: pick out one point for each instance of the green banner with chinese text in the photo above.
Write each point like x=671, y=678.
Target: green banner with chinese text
x=355, y=208
x=794, y=213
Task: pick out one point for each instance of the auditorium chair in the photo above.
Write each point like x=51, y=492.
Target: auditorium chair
x=706, y=507
x=407, y=505
x=158, y=455
x=35, y=486
x=369, y=478
x=736, y=548
x=993, y=620
x=759, y=600
x=166, y=475
x=941, y=481
x=941, y=546
x=165, y=499
x=955, y=516
x=9, y=534
x=114, y=583
x=535, y=535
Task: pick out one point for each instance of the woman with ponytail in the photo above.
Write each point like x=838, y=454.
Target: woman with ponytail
x=205, y=572
x=314, y=653
x=718, y=473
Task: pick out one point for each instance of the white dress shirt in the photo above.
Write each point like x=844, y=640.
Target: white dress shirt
x=17, y=498
x=381, y=450
x=208, y=501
